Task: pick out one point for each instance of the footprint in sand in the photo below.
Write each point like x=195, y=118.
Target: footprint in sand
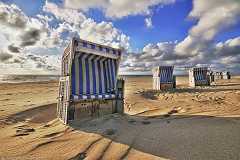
x=22, y=131
x=52, y=135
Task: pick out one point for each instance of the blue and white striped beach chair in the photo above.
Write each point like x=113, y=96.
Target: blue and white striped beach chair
x=88, y=80
x=199, y=76
x=163, y=78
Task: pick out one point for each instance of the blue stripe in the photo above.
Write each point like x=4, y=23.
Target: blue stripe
x=99, y=76
x=94, y=76
x=80, y=75
x=111, y=63
x=114, y=73
x=87, y=76
x=73, y=78
x=108, y=75
x=105, y=76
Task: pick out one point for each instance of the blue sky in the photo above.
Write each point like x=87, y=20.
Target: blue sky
x=175, y=36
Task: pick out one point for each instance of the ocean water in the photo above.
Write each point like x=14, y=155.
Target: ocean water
x=42, y=78
x=27, y=78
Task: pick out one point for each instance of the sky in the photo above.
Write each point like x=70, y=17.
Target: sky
x=33, y=34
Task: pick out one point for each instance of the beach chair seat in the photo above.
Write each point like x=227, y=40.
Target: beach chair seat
x=93, y=97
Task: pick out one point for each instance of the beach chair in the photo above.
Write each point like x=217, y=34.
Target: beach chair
x=226, y=75
x=163, y=78
x=199, y=76
x=218, y=75
x=88, y=86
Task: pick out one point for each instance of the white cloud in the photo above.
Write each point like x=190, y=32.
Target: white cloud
x=229, y=48
x=117, y=8
x=71, y=16
x=213, y=16
x=77, y=24
x=148, y=22
x=12, y=16
x=104, y=33
x=29, y=34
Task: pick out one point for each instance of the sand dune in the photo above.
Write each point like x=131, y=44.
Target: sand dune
x=200, y=123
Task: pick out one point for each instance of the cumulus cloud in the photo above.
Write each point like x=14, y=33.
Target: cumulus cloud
x=41, y=62
x=30, y=37
x=27, y=31
x=29, y=34
x=117, y=8
x=104, y=33
x=229, y=48
x=71, y=16
x=152, y=55
x=76, y=24
x=12, y=16
x=213, y=16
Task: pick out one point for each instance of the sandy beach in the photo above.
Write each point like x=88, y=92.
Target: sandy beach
x=184, y=124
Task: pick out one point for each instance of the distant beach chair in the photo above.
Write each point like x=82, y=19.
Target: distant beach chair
x=222, y=75
x=199, y=76
x=211, y=76
x=218, y=75
x=163, y=78
x=226, y=75
x=88, y=85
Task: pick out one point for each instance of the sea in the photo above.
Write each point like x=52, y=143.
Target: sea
x=27, y=78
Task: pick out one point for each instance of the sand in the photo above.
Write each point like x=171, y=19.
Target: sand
x=186, y=123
